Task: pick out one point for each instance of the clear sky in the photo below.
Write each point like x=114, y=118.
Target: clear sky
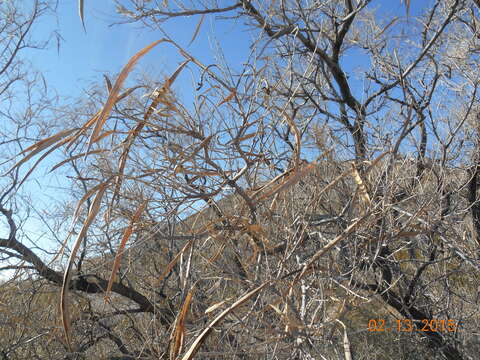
x=84, y=57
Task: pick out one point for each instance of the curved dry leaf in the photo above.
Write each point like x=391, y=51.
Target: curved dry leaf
x=40, y=146
x=214, y=307
x=346, y=342
x=179, y=330
x=108, y=83
x=172, y=263
x=121, y=168
x=201, y=338
x=393, y=21
x=159, y=94
x=126, y=235
x=197, y=30
x=112, y=98
x=92, y=213
x=123, y=159
x=128, y=92
x=63, y=162
x=132, y=134
x=172, y=78
x=62, y=247
x=30, y=171
x=84, y=127
x=277, y=310
x=80, y=13
x=89, y=193
x=48, y=141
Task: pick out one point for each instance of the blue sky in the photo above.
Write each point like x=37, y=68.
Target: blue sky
x=84, y=57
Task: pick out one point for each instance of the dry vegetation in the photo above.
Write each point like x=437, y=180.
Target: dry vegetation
x=343, y=205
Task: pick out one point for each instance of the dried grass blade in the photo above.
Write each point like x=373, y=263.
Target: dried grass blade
x=128, y=92
x=215, y=306
x=84, y=127
x=276, y=309
x=132, y=134
x=201, y=338
x=153, y=105
x=48, y=141
x=118, y=256
x=197, y=30
x=179, y=330
x=256, y=191
x=346, y=342
x=40, y=146
x=92, y=213
x=108, y=83
x=63, y=162
x=112, y=98
x=394, y=20
x=62, y=248
x=81, y=13
x=160, y=93
x=215, y=256
x=104, y=135
x=175, y=74
x=89, y=193
x=118, y=180
x=172, y=263
x=348, y=172
x=30, y=171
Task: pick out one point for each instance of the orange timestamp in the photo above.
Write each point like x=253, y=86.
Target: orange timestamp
x=408, y=325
